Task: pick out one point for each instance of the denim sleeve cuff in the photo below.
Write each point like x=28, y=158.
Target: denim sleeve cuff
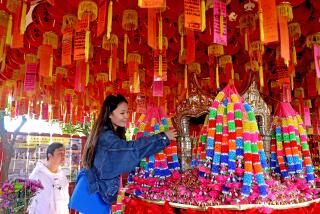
x=165, y=139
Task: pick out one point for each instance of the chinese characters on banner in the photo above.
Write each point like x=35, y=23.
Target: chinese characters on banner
x=157, y=88
x=316, y=50
x=220, y=23
x=192, y=14
x=152, y=3
x=30, y=77
x=270, y=24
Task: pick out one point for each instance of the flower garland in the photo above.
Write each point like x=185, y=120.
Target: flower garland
x=289, y=147
x=161, y=164
x=234, y=147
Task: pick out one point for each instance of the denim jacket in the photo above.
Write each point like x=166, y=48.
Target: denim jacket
x=114, y=156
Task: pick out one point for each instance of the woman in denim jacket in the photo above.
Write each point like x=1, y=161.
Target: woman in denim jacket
x=107, y=155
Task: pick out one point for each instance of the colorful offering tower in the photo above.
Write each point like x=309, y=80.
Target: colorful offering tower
x=234, y=144
x=290, y=155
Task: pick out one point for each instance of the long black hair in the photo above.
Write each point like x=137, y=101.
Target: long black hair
x=103, y=121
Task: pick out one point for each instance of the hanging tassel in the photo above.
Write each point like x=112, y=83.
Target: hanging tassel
x=3, y=63
x=109, y=23
x=292, y=81
x=185, y=76
x=160, y=34
x=232, y=74
x=2, y=50
x=246, y=41
x=23, y=18
x=160, y=65
x=110, y=69
x=221, y=24
x=217, y=76
x=87, y=46
x=181, y=45
x=261, y=22
x=160, y=46
x=261, y=76
x=139, y=3
x=87, y=73
x=9, y=31
x=203, y=15
x=286, y=61
x=294, y=54
x=51, y=65
x=125, y=44
x=186, y=80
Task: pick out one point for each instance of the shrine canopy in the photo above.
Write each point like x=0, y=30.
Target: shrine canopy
x=59, y=59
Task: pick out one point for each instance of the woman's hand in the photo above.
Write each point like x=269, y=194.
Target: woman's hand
x=171, y=134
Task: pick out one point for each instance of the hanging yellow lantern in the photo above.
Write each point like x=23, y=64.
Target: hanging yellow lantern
x=215, y=50
x=108, y=44
x=313, y=39
x=68, y=26
x=252, y=66
x=256, y=51
x=6, y=27
x=194, y=67
x=88, y=8
x=87, y=12
x=224, y=60
x=50, y=38
x=295, y=33
x=134, y=59
x=285, y=9
x=161, y=54
x=102, y=77
x=111, y=44
x=294, y=30
x=4, y=19
x=182, y=32
x=247, y=23
x=69, y=21
x=31, y=58
x=13, y=5
x=129, y=23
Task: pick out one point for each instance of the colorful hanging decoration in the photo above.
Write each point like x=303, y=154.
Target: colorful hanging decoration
x=313, y=40
x=4, y=33
x=215, y=51
x=192, y=14
x=247, y=23
x=270, y=23
x=225, y=62
x=182, y=33
x=134, y=59
x=160, y=60
x=295, y=33
x=68, y=26
x=290, y=155
x=31, y=69
x=219, y=22
x=256, y=52
x=45, y=53
x=111, y=44
x=129, y=23
x=285, y=15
